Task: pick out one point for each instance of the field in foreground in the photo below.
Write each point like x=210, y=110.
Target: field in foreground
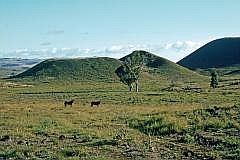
x=163, y=121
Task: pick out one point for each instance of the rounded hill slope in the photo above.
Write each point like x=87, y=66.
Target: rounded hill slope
x=158, y=66
x=223, y=52
x=103, y=69
x=96, y=69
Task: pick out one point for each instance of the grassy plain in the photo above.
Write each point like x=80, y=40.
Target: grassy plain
x=184, y=120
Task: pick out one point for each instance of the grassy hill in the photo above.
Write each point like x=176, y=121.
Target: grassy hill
x=223, y=52
x=97, y=69
x=160, y=67
x=103, y=69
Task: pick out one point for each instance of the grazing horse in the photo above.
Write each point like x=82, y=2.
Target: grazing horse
x=97, y=103
x=68, y=103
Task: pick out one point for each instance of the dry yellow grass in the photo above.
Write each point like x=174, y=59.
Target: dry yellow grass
x=35, y=119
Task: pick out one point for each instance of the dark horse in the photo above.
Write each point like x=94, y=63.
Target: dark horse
x=95, y=103
x=68, y=103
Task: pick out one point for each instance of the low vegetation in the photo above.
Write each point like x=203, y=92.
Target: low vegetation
x=173, y=116
x=162, y=121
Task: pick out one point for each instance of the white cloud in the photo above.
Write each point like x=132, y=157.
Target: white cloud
x=22, y=50
x=115, y=48
x=172, y=51
x=54, y=50
x=183, y=46
x=87, y=50
x=65, y=49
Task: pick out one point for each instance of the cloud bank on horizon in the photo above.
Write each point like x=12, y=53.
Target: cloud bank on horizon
x=172, y=51
x=77, y=28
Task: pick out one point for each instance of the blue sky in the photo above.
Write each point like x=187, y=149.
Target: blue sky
x=79, y=28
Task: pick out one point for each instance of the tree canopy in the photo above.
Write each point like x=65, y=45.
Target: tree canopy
x=129, y=72
x=214, y=79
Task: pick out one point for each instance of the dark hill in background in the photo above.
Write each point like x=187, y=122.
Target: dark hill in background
x=223, y=52
x=103, y=69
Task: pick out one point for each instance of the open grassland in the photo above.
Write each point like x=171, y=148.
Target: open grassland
x=164, y=120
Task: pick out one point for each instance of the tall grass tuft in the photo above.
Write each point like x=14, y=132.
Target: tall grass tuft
x=154, y=126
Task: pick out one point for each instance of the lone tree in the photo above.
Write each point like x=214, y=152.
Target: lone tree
x=126, y=77
x=214, y=79
x=129, y=72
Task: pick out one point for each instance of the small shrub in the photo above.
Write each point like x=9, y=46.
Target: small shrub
x=188, y=139
x=103, y=142
x=120, y=134
x=43, y=154
x=155, y=126
x=8, y=154
x=69, y=152
x=235, y=154
x=44, y=124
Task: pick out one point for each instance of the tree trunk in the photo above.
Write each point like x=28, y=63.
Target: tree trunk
x=130, y=87
x=137, y=85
